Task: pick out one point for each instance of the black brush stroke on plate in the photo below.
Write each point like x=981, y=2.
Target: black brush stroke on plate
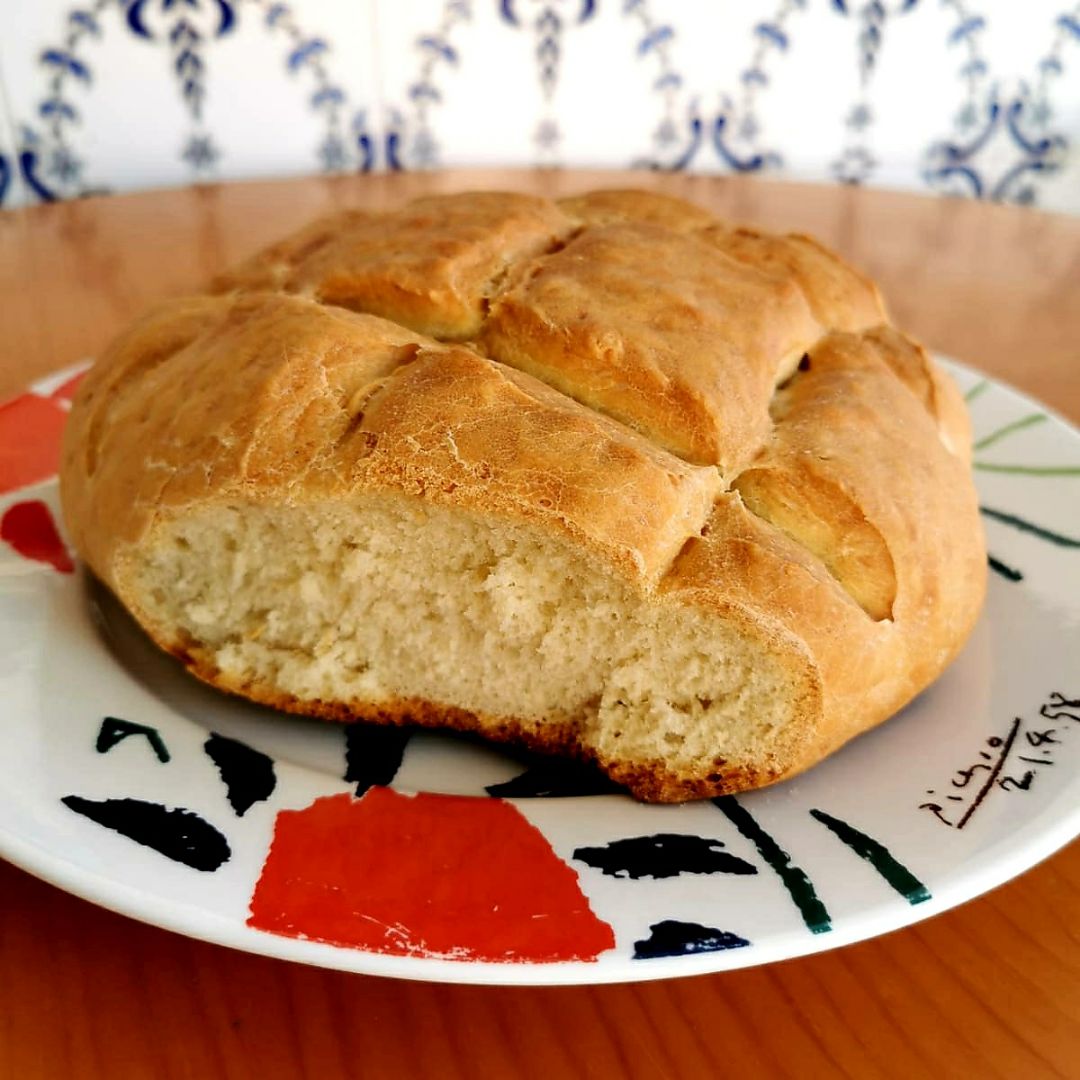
x=114, y=730
x=1006, y=572
x=373, y=754
x=556, y=780
x=1029, y=527
x=878, y=856
x=663, y=855
x=674, y=938
x=797, y=882
x=248, y=774
x=178, y=834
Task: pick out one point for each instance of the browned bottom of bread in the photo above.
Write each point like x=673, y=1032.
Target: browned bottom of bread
x=649, y=781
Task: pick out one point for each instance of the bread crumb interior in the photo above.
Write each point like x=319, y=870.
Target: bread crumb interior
x=390, y=599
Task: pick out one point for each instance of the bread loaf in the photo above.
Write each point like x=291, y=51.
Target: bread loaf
x=607, y=477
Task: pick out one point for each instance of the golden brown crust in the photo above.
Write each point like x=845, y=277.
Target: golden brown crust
x=835, y=513
x=840, y=297
x=482, y=437
x=214, y=396
x=687, y=352
x=851, y=489
x=916, y=505
x=323, y=403
x=614, y=205
x=430, y=266
x=940, y=396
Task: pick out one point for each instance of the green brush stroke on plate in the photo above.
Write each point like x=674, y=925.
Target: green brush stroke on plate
x=1008, y=429
x=878, y=856
x=1028, y=470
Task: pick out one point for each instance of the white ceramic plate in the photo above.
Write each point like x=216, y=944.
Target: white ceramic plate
x=126, y=782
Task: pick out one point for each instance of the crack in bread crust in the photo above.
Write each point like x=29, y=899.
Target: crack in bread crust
x=707, y=412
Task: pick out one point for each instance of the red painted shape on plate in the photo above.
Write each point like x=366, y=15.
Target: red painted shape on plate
x=424, y=875
x=30, y=432
x=66, y=390
x=29, y=528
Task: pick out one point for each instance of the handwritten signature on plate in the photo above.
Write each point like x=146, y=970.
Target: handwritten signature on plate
x=1009, y=762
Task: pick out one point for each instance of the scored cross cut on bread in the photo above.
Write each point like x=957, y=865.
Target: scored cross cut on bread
x=607, y=477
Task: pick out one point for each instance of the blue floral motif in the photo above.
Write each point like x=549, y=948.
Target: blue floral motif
x=189, y=67
x=29, y=163
x=327, y=95
x=57, y=107
x=365, y=144
x=199, y=152
x=185, y=43
x=696, y=129
x=333, y=153
x=1044, y=154
x=656, y=36
x=64, y=166
x=773, y=33
x=856, y=162
x=950, y=163
x=753, y=162
x=967, y=34
x=547, y=134
x=860, y=117
x=411, y=141
x=967, y=27
x=1001, y=140
x=87, y=20
x=47, y=161
x=989, y=129
x=305, y=53
x=305, y=57
x=395, y=124
x=548, y=50
x=409, y=137
x=137, y=8
x=854, y=165
x=737, y=128
x=64, y=61
x=1051, y=67
x=508, y=11
x=675, y=139
x=548, y=27
x=666, y=134
x=438, y=45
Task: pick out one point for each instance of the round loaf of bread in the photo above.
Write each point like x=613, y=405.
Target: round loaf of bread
x=607, y=477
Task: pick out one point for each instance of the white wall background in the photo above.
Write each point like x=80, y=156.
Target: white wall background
x=972, y=97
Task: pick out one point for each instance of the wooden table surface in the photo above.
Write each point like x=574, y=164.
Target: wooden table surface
x=991, y=989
